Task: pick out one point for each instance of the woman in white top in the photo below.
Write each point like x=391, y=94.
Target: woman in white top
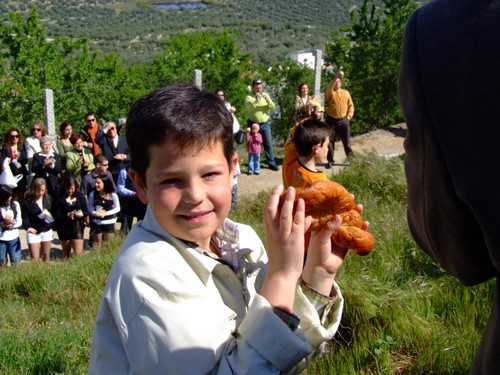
x=10, y=221
x=32, y=145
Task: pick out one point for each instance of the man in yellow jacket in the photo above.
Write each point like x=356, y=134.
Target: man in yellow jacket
x=340, y=112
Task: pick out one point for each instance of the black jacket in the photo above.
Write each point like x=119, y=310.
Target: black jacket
x=109, y=150
x=449, y=91
x=30, y=211
x=50, y=175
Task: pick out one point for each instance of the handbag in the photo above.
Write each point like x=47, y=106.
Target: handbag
x=7, y=178
x=239, y=137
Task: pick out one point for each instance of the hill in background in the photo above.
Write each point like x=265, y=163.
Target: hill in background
x=137, y=30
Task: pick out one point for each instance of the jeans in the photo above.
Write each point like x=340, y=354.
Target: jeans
x=234, y=197
x=13, y=249
x=253, y=163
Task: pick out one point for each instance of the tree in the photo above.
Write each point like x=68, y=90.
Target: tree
x=215, y=54
x=81, y=81
x=282, y=80
x=369, y=52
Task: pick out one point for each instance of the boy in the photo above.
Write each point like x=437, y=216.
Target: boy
x=308, y=145
x=193, y=292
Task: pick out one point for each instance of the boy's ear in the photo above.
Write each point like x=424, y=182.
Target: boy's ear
x=315, y=148
x=140, y=186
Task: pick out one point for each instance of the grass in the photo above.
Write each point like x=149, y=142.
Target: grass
x=403, y=314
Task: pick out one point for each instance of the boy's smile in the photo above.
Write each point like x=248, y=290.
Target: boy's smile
x=189, y=192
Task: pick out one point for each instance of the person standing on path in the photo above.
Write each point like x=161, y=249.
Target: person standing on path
x=254, y=141
x=258, y=105
x=340, y=112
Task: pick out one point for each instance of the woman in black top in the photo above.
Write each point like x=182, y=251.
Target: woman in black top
x=13, y=148
x=38, y=220
x=70, y=211
x=47, y=165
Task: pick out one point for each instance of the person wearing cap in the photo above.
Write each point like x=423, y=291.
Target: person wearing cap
x=258, y=105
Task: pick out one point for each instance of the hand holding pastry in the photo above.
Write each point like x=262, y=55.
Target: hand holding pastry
x=326, y=199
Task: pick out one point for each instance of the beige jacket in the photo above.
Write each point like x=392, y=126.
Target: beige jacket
x=170, y=309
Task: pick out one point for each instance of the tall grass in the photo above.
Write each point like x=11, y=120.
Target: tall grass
x=403, y=314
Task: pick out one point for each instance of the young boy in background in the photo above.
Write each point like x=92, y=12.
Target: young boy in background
x=192, y=291
x=308, y=145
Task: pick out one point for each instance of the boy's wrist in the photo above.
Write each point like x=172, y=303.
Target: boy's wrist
x=279, y=290
x=318, y=278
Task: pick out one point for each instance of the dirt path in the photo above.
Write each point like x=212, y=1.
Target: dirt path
x=386, y=142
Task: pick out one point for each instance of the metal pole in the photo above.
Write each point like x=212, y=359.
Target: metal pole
x=317, y=71
x=49, y=113
x=197, y=78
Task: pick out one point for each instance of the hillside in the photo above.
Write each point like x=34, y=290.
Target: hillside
x=136, y=30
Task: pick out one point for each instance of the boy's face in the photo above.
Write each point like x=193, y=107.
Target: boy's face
x=189, y=194
x=322, y=151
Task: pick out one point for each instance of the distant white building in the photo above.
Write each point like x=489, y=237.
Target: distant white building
x=305, y=57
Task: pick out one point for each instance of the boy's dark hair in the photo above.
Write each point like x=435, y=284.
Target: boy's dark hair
x=100, y=158
x=308, y=134
x=184, y=114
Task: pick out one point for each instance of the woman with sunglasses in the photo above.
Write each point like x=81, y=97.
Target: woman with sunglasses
x=38, y=130
x=32, y=144
x=13, y=149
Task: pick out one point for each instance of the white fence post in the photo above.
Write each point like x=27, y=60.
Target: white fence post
x=49, y=113
x=197, y=78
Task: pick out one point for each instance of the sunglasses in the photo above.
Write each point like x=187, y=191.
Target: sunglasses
x=36, y=130
x=14, y=136
x=105, y=165
x=91, y=120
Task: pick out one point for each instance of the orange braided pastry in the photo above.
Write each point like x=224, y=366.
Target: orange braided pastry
x=324, y=200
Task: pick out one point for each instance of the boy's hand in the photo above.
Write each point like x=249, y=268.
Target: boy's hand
x=324, y=258
x=285, y=233
x=285, y=245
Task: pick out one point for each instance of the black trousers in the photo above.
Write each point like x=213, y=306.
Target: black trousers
x=338, y=127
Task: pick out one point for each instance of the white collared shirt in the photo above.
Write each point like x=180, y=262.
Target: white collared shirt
x=169, y=309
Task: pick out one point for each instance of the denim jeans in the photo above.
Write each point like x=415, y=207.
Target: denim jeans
x=253, y=163
x=13, y=249
x=267, y=138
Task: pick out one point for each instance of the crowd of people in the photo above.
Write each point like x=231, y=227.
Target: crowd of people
x=80, y=179
x=306, y=107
